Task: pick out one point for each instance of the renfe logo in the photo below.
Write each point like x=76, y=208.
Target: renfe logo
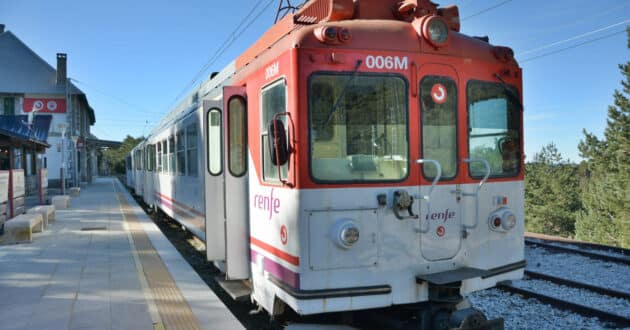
x=445, y=215
x=267, y=203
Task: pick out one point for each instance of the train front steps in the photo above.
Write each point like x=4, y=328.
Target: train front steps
x=21, y=228
x=237, y=289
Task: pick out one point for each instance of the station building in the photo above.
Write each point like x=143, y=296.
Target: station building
x=31, y=88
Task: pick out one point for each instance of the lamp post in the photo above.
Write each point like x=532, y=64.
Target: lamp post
x=75, y=139
x=62, y=128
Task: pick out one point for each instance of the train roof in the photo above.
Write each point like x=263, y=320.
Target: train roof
x=396, y=19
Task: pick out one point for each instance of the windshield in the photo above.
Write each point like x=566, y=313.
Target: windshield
x=494, y=126
x=364, y=137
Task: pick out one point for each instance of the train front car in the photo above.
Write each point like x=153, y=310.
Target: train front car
x=404, y=178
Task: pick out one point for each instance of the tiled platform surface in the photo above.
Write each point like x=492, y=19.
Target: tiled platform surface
x=84, y=273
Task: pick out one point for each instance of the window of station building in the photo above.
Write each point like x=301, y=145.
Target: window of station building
x=181, y=153
x=439, y=126
x=494, y=123
x=274, y=100
x=215, y=142
x=5, y=159
x=358, y=127
x=191, y=149
x=18, y=162
x=7, y=106
x=171, y=155
x=237, y=137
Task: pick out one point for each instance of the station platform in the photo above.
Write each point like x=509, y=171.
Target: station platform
x=103, y=264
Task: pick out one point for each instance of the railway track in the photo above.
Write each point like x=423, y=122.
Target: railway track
x=620, y=256
x=588, y=311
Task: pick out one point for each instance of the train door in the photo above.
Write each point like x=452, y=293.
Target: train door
x=236, y=183
x=441, y=212
x=149, y=164
x=214, y=180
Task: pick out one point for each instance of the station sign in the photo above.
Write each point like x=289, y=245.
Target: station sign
x=44, y=105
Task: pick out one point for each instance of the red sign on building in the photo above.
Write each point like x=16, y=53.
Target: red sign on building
x=44, y=105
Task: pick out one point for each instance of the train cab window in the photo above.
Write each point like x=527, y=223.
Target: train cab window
x=237, y=136
x=438, y=108
x=214, y=142
x=159, y=157
x=494, y=129
x=274, y=100
x=358, y=128
x=191, y=149
x=181, y=153
x=171, y=155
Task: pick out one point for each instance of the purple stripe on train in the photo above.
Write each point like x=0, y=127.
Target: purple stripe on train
x=278, y=271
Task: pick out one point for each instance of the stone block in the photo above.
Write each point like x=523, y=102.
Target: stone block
x=75, y=191
x=22, y=227
x=47, y=212
x=61, y=202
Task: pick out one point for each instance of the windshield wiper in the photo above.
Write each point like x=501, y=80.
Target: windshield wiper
x=335, y=107
x=510, y=93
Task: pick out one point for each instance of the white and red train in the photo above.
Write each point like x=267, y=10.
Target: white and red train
x=361, y=154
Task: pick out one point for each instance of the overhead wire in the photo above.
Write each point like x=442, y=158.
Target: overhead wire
x=232, y=37
x=572, y=46
x=486, y=10
x=117, y=98
x=573, y=38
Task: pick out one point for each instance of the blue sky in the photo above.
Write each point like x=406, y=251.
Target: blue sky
x=134, y=58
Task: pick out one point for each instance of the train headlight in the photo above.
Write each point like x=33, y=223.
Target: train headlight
x=435, y=30
x=348, y=235
x=508, y=220
x=502, y=220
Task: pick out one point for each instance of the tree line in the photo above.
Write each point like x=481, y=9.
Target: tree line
x=588, y=201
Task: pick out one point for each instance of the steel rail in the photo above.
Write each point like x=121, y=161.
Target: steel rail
x=616, y=259
x=604, y=316
x=579, y=244
x=579, y=285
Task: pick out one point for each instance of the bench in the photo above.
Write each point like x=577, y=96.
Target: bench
x=61, y=202
x=21, y=228
x=75, y=191
x=47, y=212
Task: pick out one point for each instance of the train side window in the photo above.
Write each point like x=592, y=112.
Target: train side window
x=191, y=149
x=214, y=142
x=237, y=136
x=159, y=157
x=171, y=155
x=147, y=156
x=494, y=126
x=164, y=158
x=274, y=100
x=181, y=153
x=439, y=125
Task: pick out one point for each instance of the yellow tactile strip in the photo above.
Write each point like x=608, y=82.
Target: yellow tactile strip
x=171, y=305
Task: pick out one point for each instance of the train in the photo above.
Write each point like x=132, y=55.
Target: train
x=361, y=154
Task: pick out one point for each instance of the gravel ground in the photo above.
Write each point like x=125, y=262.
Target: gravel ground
x=579, y=268
x=521, y=313
x=579, y=296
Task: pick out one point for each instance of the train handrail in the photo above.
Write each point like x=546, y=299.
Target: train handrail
x=427, y=197
x=485, y=177
x=476, y=193
x=435, y=180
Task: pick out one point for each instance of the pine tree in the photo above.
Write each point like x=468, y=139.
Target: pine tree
x=551, y=193
x=606, y=194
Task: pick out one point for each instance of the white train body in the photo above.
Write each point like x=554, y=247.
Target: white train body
x=349, y=222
